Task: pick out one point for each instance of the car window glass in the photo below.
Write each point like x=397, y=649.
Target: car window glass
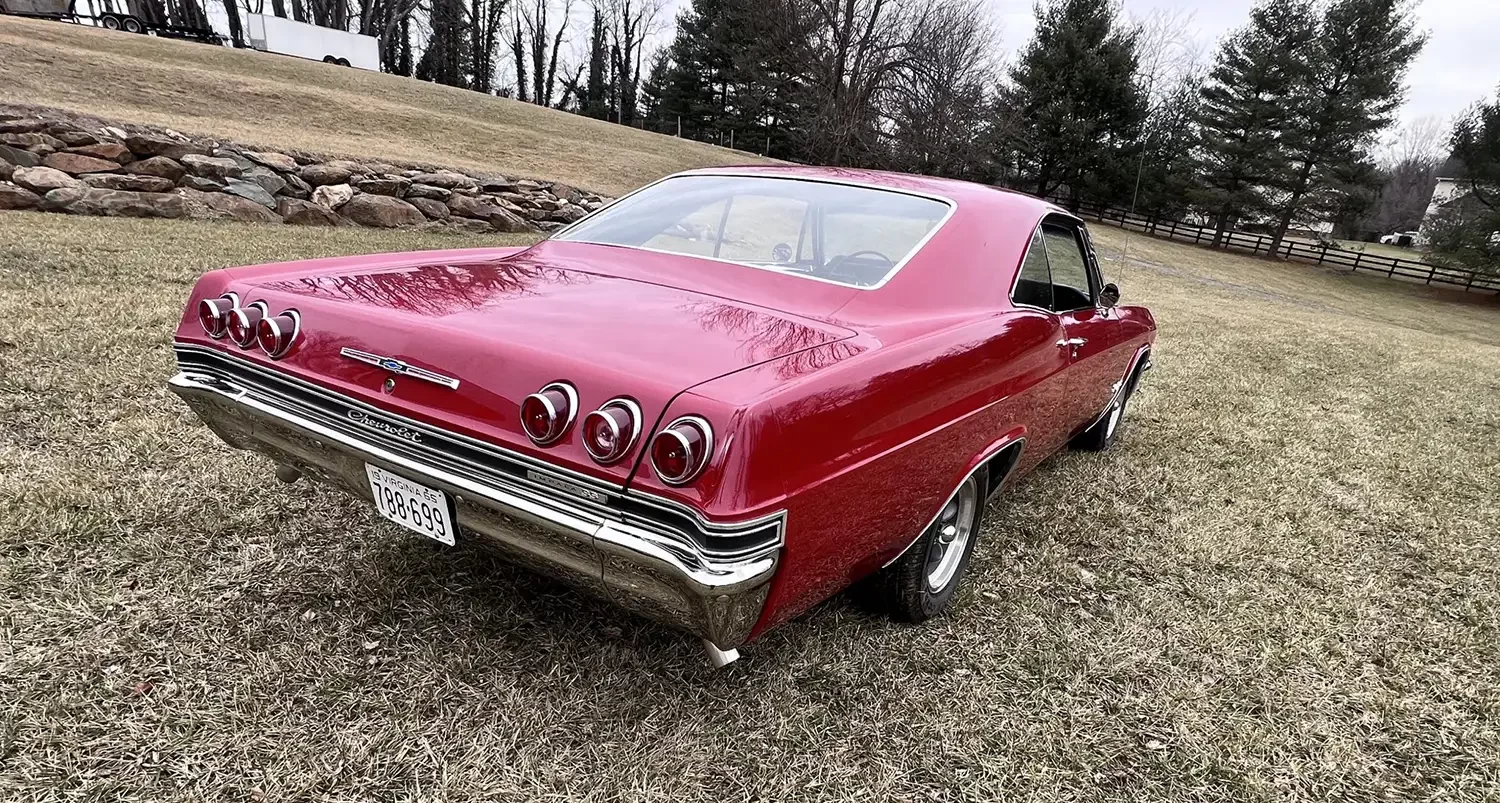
x=758, y=224
x=1070, y=272
x=1034, y=284
x=694, y=233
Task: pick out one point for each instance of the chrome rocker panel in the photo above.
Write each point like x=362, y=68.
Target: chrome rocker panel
x=663, y=575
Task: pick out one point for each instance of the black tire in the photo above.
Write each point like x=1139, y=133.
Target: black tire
x=904, y=589
x=330, y=60
x=1106, y=430
x=110, y=21
x=343, y=62
x=132, y=25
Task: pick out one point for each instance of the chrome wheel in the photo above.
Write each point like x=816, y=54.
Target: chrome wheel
x=950, y=537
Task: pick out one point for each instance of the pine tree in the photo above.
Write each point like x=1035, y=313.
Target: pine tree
x=1245, y=106
x=1075, y=87
x=1351, y=90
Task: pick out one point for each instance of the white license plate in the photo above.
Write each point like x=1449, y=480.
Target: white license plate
x=412, y=505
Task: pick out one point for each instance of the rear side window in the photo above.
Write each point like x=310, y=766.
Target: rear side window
x=1071, y=287
x=1034, y=285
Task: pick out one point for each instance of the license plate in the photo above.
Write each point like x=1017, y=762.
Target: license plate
x=412, y=505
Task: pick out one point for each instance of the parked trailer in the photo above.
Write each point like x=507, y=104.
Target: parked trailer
x=292, y=38
x=175, y=18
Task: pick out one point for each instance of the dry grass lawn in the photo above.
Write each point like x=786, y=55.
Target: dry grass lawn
x=1281, y=585
x=274, y=101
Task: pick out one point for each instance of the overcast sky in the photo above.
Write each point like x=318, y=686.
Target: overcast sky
x=1460, y=64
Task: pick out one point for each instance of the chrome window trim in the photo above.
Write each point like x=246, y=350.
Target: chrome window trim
x=708, y=448
x=525, y=461
x=911, y=254
x=1016, y=279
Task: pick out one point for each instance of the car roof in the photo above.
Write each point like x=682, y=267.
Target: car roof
x=958, y=191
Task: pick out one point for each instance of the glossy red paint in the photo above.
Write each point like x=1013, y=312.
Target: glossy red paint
x=856, y=411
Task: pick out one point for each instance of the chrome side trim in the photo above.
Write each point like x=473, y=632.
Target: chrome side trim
x=895, y=269
x=949, y=498
x=399, y=367
x=1142, y=353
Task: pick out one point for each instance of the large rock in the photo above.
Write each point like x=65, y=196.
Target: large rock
x=275, y=161
x=295, y=187
x=147, y=145
x=467, y=226
x=19, y=157
x=22, y=126
x=566, y=194
x=222, y=206
x=84, y=200
x=510, y=222
x=251, y=191
x=333, y=196
x=479, y=208
x=337, y=171
x=134, y=183
x=72, y=137
x=33, y=140
x=306, y=213
x=569, y=214
x=13, y=197
x=381, y=211
x=433, y=209
x=202, y=184
x=215, y=167
x=77, y=164
x=162, y=166
x=393, y=186
x=112, y=151
x=6, y=168
x=446, y=179
x=42, y=180
x=268, y=179
x=427, y=191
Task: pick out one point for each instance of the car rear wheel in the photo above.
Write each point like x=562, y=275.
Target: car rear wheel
x=921, y=583
x=132, y=25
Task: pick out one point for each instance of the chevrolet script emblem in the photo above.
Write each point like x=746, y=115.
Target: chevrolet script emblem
x=399, y=368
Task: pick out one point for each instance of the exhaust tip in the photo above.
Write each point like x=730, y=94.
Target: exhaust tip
x=288, y=473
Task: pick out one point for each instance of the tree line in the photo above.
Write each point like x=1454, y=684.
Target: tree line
x=1284, y=125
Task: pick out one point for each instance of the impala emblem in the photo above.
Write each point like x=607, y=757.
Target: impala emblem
x=399, y=368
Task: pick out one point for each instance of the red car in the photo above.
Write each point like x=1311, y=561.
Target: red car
x=717, y=401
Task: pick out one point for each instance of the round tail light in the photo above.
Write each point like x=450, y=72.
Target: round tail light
x=213, y=314
x=547, y=414
x=610, y=431
x=681, y=451
x=244, y=324
x=276, y=335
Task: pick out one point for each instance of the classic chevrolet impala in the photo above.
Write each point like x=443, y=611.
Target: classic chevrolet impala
x=717, y=401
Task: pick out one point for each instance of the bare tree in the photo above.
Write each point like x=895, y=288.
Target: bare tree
x=630, y=23
x=538, y=28
x=938, y=113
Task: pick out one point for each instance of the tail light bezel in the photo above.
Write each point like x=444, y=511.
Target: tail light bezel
x=221, y=316
x=633, y=411
x=252, y=326
x=284, y=341
x=560, y=429
x=695, y=470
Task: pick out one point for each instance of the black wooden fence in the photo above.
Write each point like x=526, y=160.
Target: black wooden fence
x=1260, y=244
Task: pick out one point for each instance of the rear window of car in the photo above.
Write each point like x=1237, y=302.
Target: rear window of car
x=857, y=236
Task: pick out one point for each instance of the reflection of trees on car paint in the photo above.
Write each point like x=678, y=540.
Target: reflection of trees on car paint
x=432, y=289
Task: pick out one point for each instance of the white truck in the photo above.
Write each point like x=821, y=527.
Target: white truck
x=292, y=38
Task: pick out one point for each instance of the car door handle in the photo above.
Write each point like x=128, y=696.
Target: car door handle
x=1075, y=342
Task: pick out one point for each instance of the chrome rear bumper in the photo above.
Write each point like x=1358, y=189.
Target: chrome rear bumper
x=652, y=568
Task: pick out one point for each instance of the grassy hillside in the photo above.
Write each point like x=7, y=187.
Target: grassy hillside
x=279, y=101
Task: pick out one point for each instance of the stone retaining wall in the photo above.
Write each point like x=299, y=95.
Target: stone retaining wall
x=57, y=162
